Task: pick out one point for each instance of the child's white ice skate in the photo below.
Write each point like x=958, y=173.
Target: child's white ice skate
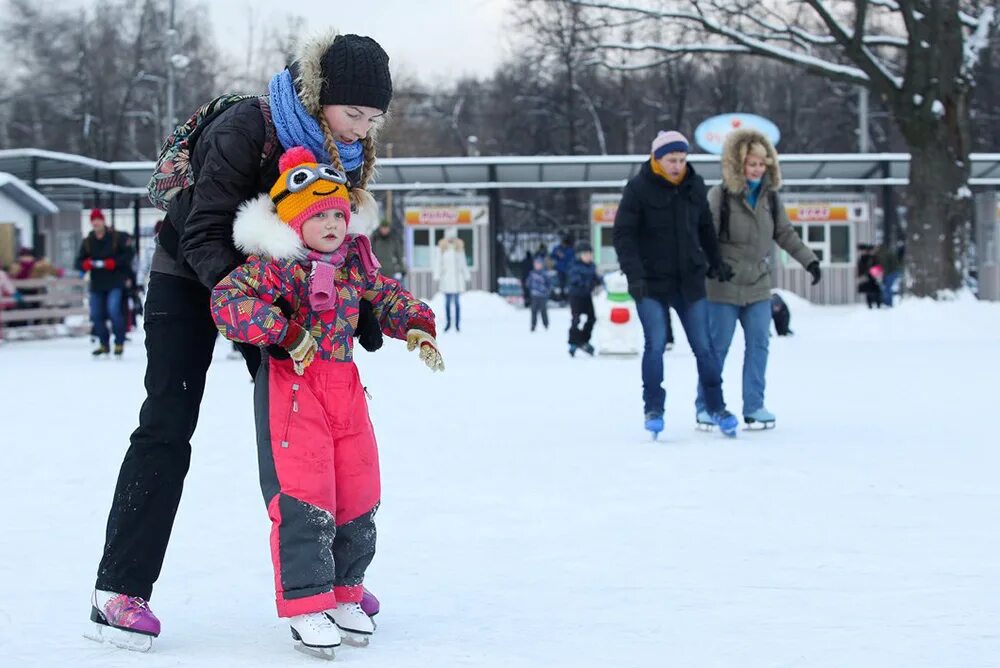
x=315, y=635
x=356, y=626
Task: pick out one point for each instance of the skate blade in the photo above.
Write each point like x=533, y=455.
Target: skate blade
x=705, y=427
x=325, y=653
x=354, y=639
x=758, y=426
x=130, y=640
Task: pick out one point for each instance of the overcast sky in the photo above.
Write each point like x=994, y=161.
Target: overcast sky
x=434, y=39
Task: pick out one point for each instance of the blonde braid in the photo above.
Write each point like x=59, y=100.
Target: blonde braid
x=368, y=170
x=359, y=196
x=330, y=145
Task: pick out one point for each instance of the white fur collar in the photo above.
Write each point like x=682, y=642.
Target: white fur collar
x=257, y=230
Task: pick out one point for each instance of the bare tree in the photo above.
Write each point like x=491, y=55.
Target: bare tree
x=918, y=56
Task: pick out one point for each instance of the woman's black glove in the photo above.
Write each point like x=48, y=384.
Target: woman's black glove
x=368, y=332
x=813, y=269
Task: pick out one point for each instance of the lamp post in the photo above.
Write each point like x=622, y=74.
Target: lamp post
x=175, y=61
x=171, y=48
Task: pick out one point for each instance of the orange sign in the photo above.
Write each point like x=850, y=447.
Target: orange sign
x=439, y=215
x=603, y=213
x=816, y=213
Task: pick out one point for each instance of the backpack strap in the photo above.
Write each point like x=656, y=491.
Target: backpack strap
x=772, y=195
x=271, y=143
x=724, y=215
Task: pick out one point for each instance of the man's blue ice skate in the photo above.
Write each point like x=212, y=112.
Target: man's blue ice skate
x=726, y=422
x=760, y=419
x=654, y=423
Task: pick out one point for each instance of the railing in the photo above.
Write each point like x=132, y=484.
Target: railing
x=46, y=307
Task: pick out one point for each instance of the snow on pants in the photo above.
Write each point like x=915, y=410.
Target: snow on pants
x=320, y=478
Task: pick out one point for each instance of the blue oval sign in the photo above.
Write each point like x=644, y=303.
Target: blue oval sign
x=711, y=134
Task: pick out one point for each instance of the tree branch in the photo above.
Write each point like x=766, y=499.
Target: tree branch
x=845, y=73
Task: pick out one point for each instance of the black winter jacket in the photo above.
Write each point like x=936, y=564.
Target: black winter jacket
x=226, y=162
x=663, y=234
x=229, y=170
x=115, y=245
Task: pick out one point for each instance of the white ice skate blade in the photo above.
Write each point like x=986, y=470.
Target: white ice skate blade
x=135, y=642
x=701, y=426
x=325, y=653
x=758, y=426
x=355, y=639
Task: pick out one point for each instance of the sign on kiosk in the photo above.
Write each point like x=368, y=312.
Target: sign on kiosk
x=806, y=213
x=434, y=216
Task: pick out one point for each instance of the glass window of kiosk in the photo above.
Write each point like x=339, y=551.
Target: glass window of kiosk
x=831, y=242
x=425, y=240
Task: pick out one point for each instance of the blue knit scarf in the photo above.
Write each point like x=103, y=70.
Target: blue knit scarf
x=753, y=192
x=297, y=128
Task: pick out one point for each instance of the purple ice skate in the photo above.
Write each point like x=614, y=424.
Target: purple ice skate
x=369, y=603
x=124, y=621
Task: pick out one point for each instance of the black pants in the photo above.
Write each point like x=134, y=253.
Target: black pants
x=580, y=306
x=180, y=337
x=539, y=305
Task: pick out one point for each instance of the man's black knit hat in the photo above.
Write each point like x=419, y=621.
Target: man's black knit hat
x=356, y=71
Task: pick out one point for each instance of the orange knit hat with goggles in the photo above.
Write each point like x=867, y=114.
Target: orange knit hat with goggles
x=306, y=188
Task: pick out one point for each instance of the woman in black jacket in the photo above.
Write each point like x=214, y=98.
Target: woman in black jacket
x=330, y=100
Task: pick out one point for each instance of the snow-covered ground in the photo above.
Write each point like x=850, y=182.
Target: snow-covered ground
x=529, y=521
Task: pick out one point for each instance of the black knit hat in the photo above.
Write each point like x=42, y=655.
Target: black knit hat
x=356, y=71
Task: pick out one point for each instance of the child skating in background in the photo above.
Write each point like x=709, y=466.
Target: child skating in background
x=298, y=295
x=580, y=283
x=539, y=287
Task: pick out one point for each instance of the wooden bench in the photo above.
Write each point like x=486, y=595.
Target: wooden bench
x=46, y=305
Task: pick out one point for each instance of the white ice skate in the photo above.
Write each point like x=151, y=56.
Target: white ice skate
x=315, y=634
x=759, y=420
x=352, y=621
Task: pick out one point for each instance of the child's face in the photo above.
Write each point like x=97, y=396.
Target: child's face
x=350, y=123
x=325, y=231
x=586, y=257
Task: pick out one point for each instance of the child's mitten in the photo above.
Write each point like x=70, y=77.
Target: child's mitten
x=301, y=347
x=429, y=353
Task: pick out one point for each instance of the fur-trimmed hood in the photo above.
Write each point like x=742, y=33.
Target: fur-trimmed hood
x=257, y=230
x=453, y=242
x=734, y=152
x=309, y=70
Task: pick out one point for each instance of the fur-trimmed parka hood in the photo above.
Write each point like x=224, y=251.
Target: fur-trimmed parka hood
x=451, y=242
x=734, y=152
x=257, y=230
x=308, y=71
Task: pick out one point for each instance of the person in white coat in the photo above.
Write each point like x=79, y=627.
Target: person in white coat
x=451, y=271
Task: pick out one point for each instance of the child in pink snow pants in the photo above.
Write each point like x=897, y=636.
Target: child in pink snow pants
x=298, y=294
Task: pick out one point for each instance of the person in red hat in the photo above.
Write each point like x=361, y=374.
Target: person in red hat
x=106, y=255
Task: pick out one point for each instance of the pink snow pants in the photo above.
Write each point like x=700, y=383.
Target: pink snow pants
x=319, y=474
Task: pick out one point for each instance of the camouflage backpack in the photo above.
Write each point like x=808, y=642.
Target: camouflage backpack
x=173, y=168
